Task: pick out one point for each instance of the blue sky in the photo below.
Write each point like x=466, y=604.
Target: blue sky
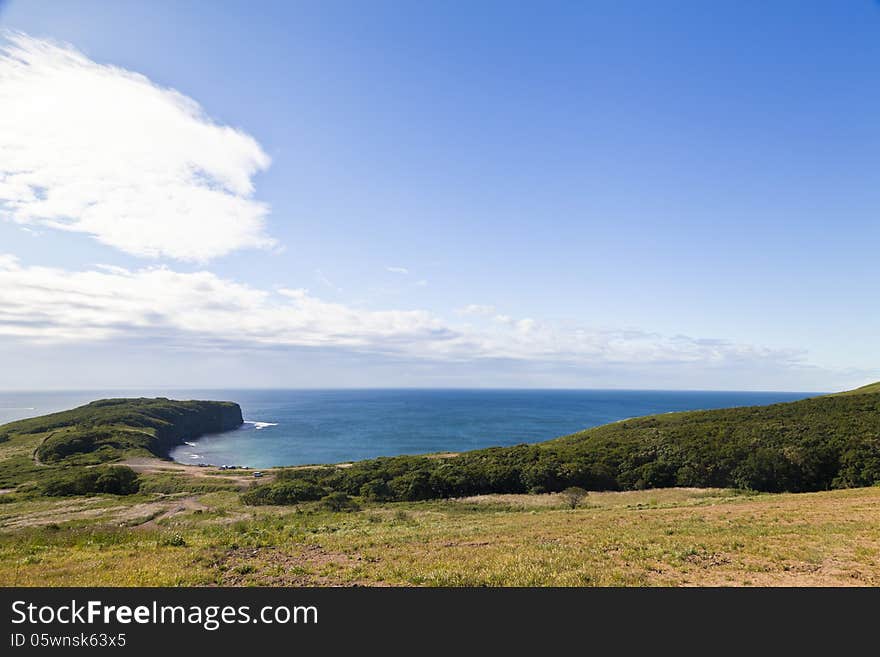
x=574, y=194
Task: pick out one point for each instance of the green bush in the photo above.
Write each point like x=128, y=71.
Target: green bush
x=573, y=495
x=114, y=480
x=338, y=501
x=283, y=492
x=860, y=465
x=376, y=490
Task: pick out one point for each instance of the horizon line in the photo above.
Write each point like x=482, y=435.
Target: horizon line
x=401, y=388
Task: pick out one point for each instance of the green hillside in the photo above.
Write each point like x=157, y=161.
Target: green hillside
x=108, y=426
x=52, y=449
x=809, y=445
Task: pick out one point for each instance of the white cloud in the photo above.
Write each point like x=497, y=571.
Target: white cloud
x=398, y=270
x=52, y=305
x=97, y=149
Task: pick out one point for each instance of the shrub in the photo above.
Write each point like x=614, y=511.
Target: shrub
x=413, y=486
x=860, y=465
x=339, y=501
x=376, y=490
x=114, y=480
x=573, y=495
x=56, y=448
x=117, y=480
x=283, y=492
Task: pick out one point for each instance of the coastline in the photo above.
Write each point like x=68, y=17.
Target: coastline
x=335, y=426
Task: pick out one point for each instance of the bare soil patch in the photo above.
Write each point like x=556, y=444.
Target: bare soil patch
x=166, y=511
x=243, y=479
x=310, y=565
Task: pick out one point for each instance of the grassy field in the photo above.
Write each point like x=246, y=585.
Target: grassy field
x=643, y=538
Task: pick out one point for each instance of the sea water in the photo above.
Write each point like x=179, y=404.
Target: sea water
x=293, y=427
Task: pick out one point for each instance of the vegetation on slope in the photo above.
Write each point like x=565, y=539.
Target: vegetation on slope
x=113, y=480
x=109, y=427
x=62, y=453
x=809, y=445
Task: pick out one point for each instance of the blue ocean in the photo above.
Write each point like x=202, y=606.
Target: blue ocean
x=294, y=427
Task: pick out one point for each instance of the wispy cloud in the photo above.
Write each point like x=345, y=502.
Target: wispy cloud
x=53, y=305
x=97, y=149
x=326, y=282
x=398, y=270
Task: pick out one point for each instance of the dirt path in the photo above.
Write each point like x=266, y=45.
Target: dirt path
x=36, y=458
x=149, y=464
x=146, y=464
x=141, y=515
x=178, y=506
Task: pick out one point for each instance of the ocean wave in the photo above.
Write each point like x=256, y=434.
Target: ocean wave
x=261, y=425
x=190, y=444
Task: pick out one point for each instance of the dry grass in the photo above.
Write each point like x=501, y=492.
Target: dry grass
x=607, y=499
x=21, y=446
x=152, y=465
x=678, y=537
